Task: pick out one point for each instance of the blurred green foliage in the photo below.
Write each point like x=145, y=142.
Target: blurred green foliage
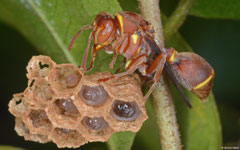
x=51, y=31
x=6, y=147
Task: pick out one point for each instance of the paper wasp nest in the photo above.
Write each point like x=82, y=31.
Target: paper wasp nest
x=64, y=106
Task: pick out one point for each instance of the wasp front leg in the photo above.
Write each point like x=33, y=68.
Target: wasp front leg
x=109, y=49
x=84, y=60
x=94, y=52
x=118, y=47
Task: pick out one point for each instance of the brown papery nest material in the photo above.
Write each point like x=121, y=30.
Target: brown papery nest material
x=64, y=106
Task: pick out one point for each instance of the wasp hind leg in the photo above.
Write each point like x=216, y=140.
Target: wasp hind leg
x=132, y=66
x=157, y=67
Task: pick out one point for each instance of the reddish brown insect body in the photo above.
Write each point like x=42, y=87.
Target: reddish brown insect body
x=130, y=35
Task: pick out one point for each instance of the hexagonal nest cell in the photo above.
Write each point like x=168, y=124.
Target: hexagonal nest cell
x=67, y=138
x=63, y=113
x=39, y=92
x=23, y=130
x=18, y=106
x=125, y=111
x=93, y=95
x=95, y=128
x=38, y=122
x=39, y=67
x=65, y=79
x=64, y=106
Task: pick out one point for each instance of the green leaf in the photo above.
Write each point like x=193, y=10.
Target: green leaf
x=148, y=137
x=6, y=147
x=121, y=141
x=51, y=24
x=222, y=9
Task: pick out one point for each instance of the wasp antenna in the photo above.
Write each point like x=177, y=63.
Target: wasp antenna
x=175, y=82
x=77, y=34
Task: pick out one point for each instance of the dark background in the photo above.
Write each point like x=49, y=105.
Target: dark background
x=218, y=41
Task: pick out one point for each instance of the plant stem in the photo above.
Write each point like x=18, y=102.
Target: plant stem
x=177, y=18
x=166, y=117
x=162, y=99
x=151, y=12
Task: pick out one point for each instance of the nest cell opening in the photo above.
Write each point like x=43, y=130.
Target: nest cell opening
x=67, y=138
x=72, y=80
x=39, y=66
x=66, y=107
x=93, y=95
x=21, y=127
x=42, y=90
x=18, y=106
x=124, y=111
x=95, y=123
x=23, y=130
x=39, y=118
x=66, y=77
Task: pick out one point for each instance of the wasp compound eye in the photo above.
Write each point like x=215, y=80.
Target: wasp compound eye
x=125, y=111
x=96, y=123
x=93, y=95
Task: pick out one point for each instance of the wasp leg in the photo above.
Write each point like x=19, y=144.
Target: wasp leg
x=118, y=47
x=110, y=49
x=131, y=67
x=94, y=52
x=77, y=34
x=157, y=67
x=84, y=60
x=121, y=66
x=121, y=44
x=113, y=60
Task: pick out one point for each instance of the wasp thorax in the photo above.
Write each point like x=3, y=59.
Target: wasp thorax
x=96, y=123
x=93, y=95
x=125, y=111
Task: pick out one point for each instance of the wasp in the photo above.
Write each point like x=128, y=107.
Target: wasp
x=128, y=34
